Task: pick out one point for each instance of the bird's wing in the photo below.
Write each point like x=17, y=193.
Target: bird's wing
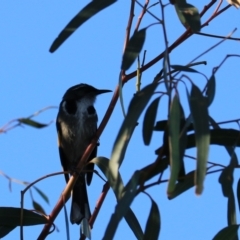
x=61, y=152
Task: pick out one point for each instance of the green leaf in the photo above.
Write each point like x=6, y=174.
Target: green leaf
x=183, y=186
x=133, y=223
x=189, y=16
x=137, y=105
x=211, y=88
x=165, y=70
x=38, y=207
x=238, y=193
x=115, y=180
x=149, y=121
x=174, y=130
x=226, y=181
x=32, y=123
x=183, y=68
x=42, y=194
x=153, y=223
x=227, y=233
x=199, y=111
x=117, y=186
x=231, y=209
x=133, y=49
x=122, y=206
x=85, y=14
x=10, y=216
x=5, y=230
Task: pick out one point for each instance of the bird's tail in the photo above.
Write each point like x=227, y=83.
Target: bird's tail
x=80, y=210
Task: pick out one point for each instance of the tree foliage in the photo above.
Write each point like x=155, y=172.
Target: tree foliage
x=180, y=131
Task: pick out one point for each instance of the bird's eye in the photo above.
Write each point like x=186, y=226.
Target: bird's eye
x=91, y=110
x=71, y=107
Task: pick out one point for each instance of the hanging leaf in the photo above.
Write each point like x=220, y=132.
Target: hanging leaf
x=229, y=233
x=238, y=193
x=188, y=15
x=153, y=223
x=173, y=139
x=133, y=49
x=85, y=14
x=231, y=209
x=122, y=206
x=183, y=186
x=211, y=88
x=117, y=186
x=199, y=112
x=149, y=121
x=226, y=181
x=38, y=207
x=42, y=194
x=137, y=105
x=32, y=123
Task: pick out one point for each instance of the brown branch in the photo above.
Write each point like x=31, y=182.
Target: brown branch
x=128, y=30
x=141, y=15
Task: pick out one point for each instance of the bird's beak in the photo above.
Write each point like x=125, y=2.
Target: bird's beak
x=100, y=91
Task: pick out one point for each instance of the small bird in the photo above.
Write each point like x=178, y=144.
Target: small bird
x=76, y=126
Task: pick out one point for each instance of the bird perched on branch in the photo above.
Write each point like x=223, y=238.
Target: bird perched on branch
x=76, y=126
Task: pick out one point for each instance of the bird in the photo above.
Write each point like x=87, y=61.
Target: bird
x=76, y=126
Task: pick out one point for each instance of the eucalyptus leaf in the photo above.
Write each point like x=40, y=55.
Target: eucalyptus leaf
x=133, y=49
x=173, y=138
x=149, y=121
x=188, y=15
x=32, y=123
x=153, y=225
x=85, y=14
x=199, y=112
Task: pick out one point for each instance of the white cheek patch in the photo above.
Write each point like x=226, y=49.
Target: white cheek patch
x=65, y=130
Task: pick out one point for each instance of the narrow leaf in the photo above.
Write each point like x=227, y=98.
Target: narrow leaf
x=183, y=186
x=238, y=193
x=174, y=130
x=153, y=223
x=189, y=16
x=10, y=216
x=86, y=13
x=122, y=206
x=199, y=111
x=183, y=68
x=231, y=209
x=42, y=194
x=149, y=121
x=38, y=207
x=226, y=181
x=103, y=164
x=137, y=105
x=32, y=123
x=133, y=49
x=211, y=88
x=228, y=233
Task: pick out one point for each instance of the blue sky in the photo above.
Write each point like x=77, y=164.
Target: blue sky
x=32, y=78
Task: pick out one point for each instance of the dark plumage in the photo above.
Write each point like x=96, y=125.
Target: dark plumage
x=76, y=126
